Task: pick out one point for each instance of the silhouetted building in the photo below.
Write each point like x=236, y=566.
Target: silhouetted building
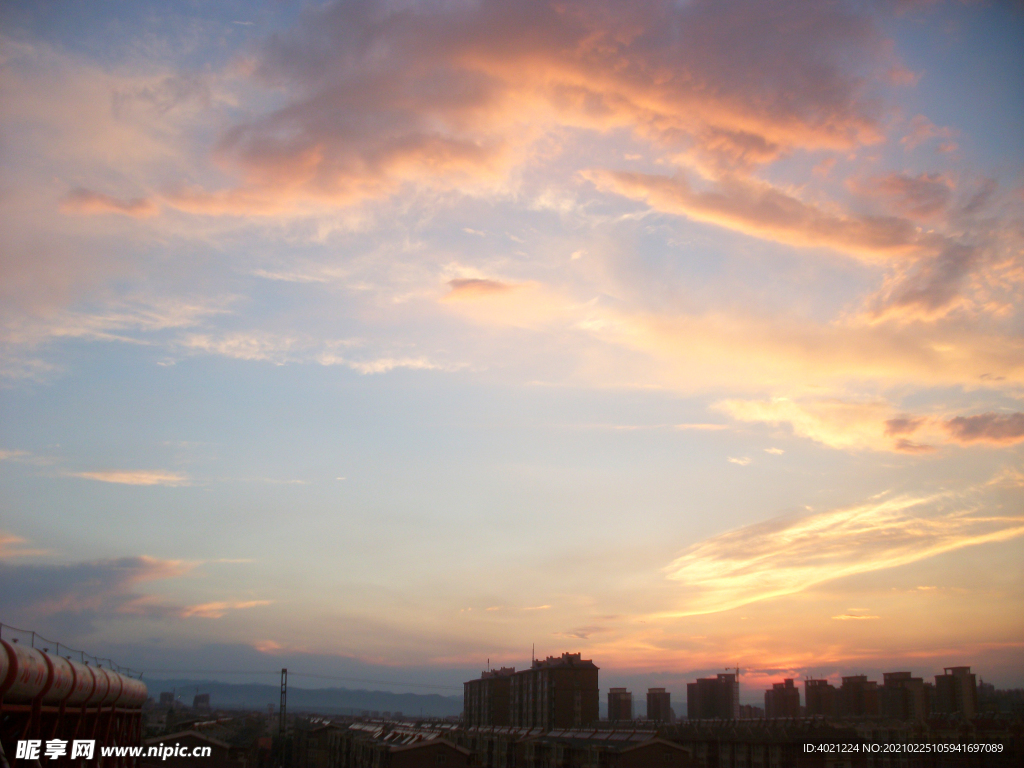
x=903, y=697
x=620, y=705
x=782, y=700
x=487, y=701
x=956, y=692
x=558, y=692
x=750, y=712
x=614, y=749
x=858, y=697
x=713, y=698
x=659, y=705
x=819, y=698
x=201, y=701
x=166, y=699
x=370, y=745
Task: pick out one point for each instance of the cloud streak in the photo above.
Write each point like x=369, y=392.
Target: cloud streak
x=134, y=477
x=873, y=425
x=761, y=210
x=86, y=201
x=789, y=555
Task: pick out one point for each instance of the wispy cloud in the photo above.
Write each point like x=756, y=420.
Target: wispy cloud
x=81, y=200
x=758, y=209
x=789, y=555
x=14, y=546
x=875, y=425
x=922, y=129
x=134, y=477
x=919, y=197
x=836, y=423
x=475, y=286
x=218, y=609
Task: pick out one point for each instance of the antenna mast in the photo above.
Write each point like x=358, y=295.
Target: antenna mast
x=281, y=723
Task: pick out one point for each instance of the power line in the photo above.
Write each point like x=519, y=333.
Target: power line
x=299, y=674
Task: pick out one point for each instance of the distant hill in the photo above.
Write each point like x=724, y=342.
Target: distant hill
x=328, y=701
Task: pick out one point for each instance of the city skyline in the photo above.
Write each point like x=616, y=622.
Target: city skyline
x=380, y=339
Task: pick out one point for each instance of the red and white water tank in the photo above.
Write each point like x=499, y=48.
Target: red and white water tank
x=29, y=674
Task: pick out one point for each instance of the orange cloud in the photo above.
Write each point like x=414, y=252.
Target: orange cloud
x=919, y=197
x=758, y=209
x=497, y=302
x=786, y=555
x=835, y=423
x=462, y=94
x=870, y=425
x=218, y=609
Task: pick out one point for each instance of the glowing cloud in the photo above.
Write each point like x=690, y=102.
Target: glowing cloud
x=218, y=609
x=836, y=423
x=788, y=555
x=760, y=210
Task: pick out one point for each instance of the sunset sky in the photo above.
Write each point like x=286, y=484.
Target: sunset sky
x=380, y=339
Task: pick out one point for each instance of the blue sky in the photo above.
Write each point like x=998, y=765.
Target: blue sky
x=389, y=338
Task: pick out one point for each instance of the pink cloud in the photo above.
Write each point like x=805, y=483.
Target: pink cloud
x=80, y=200
x=920, y=197
x=441, y=95
x=760, y=210
x=922, y=130
x=994, y=428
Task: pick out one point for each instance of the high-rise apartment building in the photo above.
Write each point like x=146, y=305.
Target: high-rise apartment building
x=956, y=692
x=713, y=698
x=819, y=698
x=903, y=697
x=487, y=701
x=782, y=700
x=557, y=692
x=620, y=705
x=659, y=705
x=858, y=697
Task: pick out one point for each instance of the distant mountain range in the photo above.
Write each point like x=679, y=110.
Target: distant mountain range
x=328, y=701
